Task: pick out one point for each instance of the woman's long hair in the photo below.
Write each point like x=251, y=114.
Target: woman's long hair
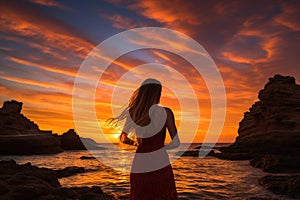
x=140, y=103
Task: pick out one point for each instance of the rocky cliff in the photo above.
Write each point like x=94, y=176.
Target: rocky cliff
x=21, y=136
x=269, y=133
x=12, y=122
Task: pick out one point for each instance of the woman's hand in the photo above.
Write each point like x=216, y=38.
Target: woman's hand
x=126, y=140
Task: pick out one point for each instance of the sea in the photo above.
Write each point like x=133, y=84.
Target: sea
x=196, y=178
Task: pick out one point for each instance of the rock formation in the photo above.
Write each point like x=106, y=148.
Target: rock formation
x=194, y=153
x=29, y=144
x=70, y=140
x=269, y=135
x=283, y=185
x=12, y=122
x=30, y=182
x=272, y=125
x=21, y=136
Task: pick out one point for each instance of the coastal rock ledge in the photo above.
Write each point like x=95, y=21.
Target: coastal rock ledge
x=31, y=182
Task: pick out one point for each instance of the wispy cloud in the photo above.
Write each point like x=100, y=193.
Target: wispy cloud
x=35, y=83
x=166, y=12
x=29, y=23
x=121, y=22
x=50, y=3
x=72, y=72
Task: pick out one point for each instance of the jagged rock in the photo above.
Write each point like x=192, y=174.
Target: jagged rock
x=69, y=171
x=16, y=174
x=271, y=127
x=269, y=135
x=21, y=136
x=283, y=185
x=70, y=140
x=13, y=107
x=277, y=163
x=12, y=122
x=31, y=182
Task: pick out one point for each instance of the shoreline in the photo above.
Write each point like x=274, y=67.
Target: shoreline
x=118, y=190
x=25, y=181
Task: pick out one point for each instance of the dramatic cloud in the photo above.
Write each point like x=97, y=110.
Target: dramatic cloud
x=43, y=42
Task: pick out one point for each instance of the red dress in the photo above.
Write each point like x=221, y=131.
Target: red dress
x=153, y=185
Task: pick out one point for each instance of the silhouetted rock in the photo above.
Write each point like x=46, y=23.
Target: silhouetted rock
x=271, y=127
x=16, y=174
x=269, y=135
x=87, y=158
x=70, y=140
x=93, y=193
x=30, y=182
x=29, y=144
x=21, y=136
x=234, y=156
x=277, y=163
x=69, y=171
x=13, y=107
x=283, y=185
x=194, y=153
x=12, y=122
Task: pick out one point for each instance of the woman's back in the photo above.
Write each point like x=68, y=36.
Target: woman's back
x=153, y=135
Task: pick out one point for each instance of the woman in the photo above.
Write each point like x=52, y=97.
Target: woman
x=151, y=174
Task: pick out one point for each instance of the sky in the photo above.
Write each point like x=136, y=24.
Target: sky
x=44, y=42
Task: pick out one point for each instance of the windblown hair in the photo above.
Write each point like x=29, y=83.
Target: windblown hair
x=140, y=103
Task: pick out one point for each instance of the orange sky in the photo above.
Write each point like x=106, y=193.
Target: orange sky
x=43, y=43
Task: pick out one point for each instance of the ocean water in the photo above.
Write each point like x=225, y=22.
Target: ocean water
x=196, y=178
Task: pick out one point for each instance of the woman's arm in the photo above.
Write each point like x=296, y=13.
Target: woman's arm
x=124, y=136
x=126, y=140
x=172, y=130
